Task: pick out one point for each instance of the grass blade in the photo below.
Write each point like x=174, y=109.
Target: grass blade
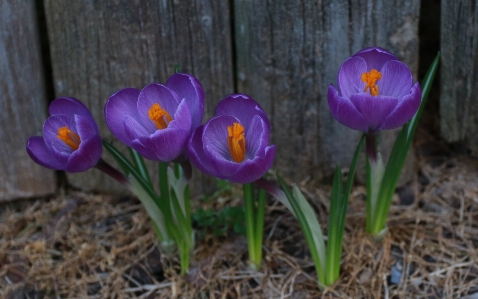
x=399, y=154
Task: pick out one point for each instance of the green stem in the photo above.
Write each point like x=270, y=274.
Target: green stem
x=187, y=207
x=165, y=200
x=184, y=255
x=249, y=212
x=259, y=229
x=371, y=157
x=368, y=173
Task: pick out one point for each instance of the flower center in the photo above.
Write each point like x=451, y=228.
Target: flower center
x=236, y=142
x=159, y=116
x=69, y=137
x=370, y=79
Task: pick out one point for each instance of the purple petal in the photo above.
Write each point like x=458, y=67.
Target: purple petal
x=69, y=107
x=146, y=152
x=215, y=144
x=215, y=136
x=119, y=105
x=152, y=94
x=189, y=88
x=41, y=154
x=375, y=109
x=345, y=112
x=350, y=76
x=375, y=57
x=241, y=107
x=182, y=117
x=50, y=132
x=85, y=127
x=196, y=153
x=59, y=154
x=257, y=137
x=252, y=170
x=133, y=129
x=86, y=156
x=167, y=144
x=396, y=80
x=405, y=110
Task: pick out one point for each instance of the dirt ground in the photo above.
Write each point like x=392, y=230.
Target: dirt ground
x=78, y=245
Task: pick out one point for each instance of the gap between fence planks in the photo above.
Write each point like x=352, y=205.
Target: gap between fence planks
x=459, y=73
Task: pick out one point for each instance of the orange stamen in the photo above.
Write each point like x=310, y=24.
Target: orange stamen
x=370, y=79
x=236, y=142
x=159, y=116
x=69, y=137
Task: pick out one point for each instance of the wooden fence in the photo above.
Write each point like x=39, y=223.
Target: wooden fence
x=282, y=53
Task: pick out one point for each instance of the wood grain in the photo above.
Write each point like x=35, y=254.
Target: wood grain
x=459, y=72
x=288, y=52
x=99, y=47
x=22, y=102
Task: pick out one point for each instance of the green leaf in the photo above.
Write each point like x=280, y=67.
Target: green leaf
x=122, y=161
x=398, y=156
x=426, y=87
x=150, y=206
x=131, y=171
x=310, y=227
x=338, y=209
x=138, y=161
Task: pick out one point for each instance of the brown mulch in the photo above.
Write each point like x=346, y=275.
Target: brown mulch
x=79, y=245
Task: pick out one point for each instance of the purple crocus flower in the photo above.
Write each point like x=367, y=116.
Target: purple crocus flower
x=71, y=140
x=375, y=92
x=234, y=145
x=158, y=120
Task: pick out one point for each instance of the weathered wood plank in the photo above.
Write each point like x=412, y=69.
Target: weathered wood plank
x=99, y=47
x=459, y=72
x=288, y=52
x=22, y=102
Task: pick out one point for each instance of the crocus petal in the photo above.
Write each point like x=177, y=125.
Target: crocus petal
x=197, y=155
x=155, y=94
x=182, y=117
x=189, y=88
x=69, y=107
x=166, y=144
x=146, y=152
x=86, y=156
x=405, y=110
x=85, y=127
x=215, y=136
x=354, y=107
x=215, y=144
x=375, y=109
x=119, y=105
x=60, y=154
x=345, y=112
x=375, y=57
x=350, y=74
x=208, y=147
x=257, y=137
x=50, y=131
x=396, y=80
x=252, y=170
x=41, y=154
x=133, y=129
x=242, y=107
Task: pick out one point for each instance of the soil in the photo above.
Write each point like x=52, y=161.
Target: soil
x=83, y=245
